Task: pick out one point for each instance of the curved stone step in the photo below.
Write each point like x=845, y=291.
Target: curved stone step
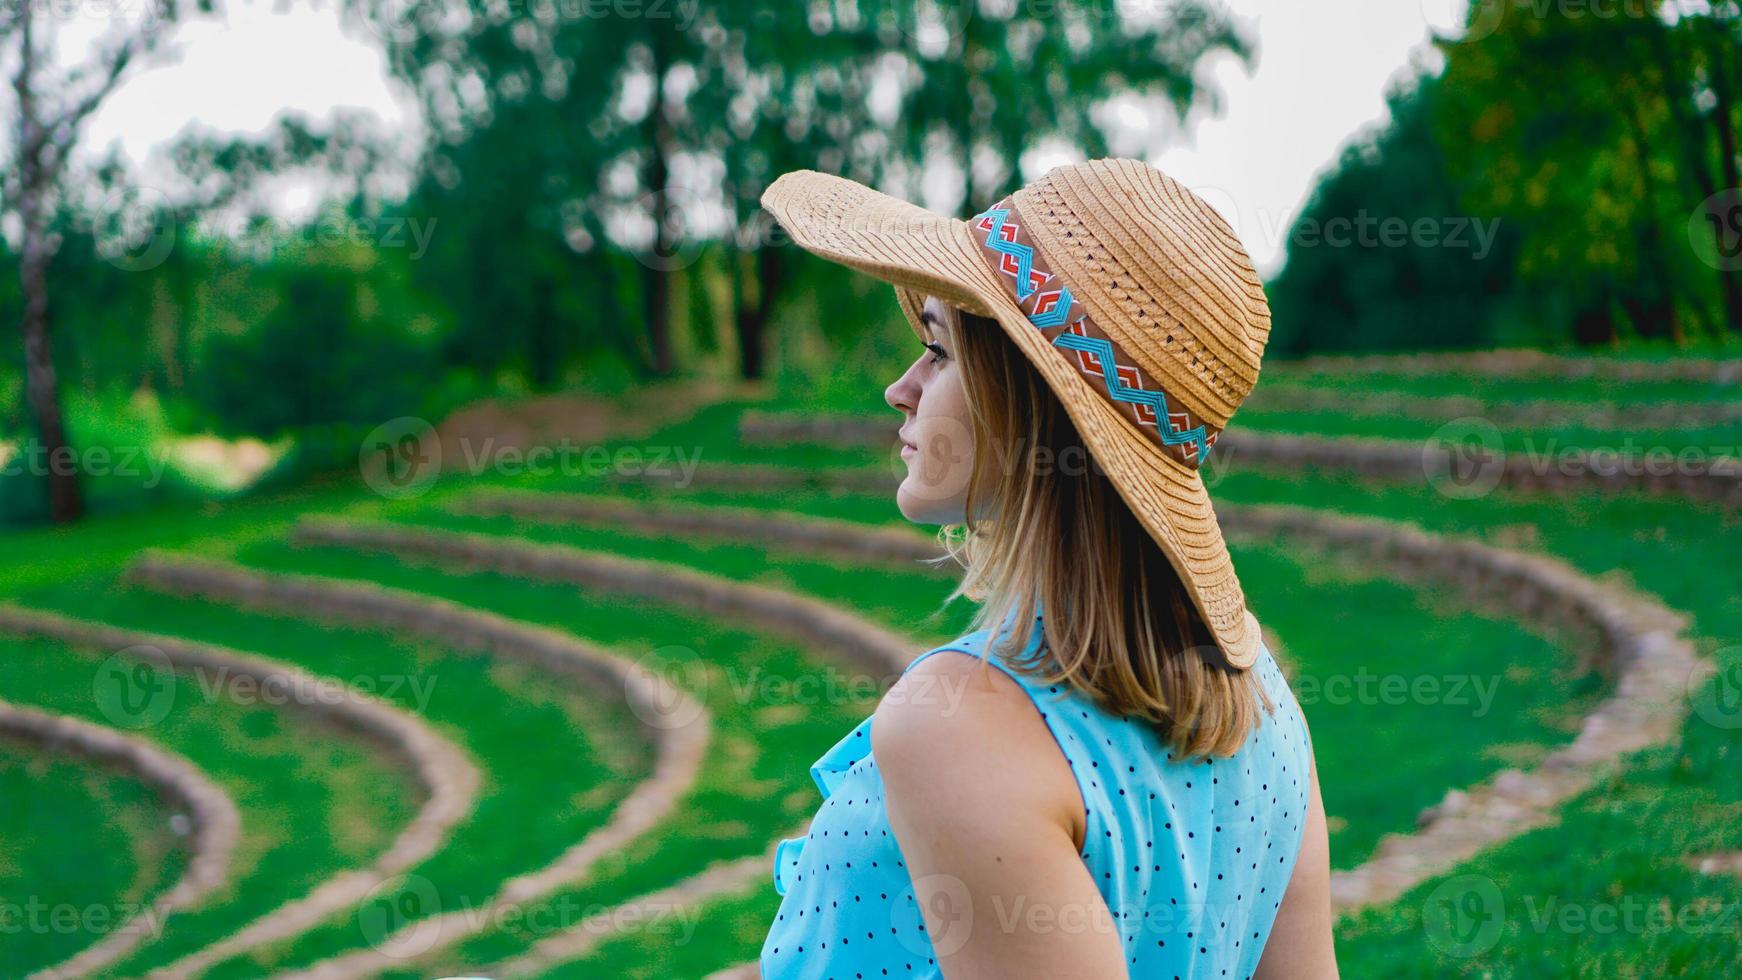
x=1710, y=478
x=1635, y=639
x=793, y=532
x=1717, y=863
x=685, y=897
x=1631, y=635
x=215, y=823
x=445, y=775
x=850, y=638
x=676, y=725
x=1518, y=363
x=1536, y=413
x=878, y=651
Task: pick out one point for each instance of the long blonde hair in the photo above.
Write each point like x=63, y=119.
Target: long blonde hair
x=1046, y=531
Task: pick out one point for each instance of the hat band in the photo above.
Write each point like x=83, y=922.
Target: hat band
x=1054, y=307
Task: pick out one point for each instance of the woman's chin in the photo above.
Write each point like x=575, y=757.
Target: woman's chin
x=921, y=507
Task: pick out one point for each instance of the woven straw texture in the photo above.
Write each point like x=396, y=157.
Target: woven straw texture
x=1157, y=268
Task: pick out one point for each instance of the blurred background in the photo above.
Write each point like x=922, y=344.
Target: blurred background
x=392, y=396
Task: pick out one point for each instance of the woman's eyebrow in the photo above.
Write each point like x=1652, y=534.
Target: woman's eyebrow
x=930, y=322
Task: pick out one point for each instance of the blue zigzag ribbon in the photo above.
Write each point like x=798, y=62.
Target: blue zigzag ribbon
x=1120, y=391
x=1023, y=254
x=1116, y=387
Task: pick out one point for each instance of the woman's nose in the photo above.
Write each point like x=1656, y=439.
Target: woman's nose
x=903, y=394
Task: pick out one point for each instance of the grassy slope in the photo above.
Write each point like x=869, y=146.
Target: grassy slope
x=75, y=841
x=1316, y=605
x=540, y=749
x=1621, y=842
x=769, y=726
x=311, y=800
x=1621, y=845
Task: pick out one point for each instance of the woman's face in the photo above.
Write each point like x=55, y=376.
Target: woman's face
x=937, y=433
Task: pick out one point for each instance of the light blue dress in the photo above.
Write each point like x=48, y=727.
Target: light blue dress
x=1191, y=858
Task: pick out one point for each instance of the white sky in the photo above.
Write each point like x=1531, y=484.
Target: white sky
x=1322, y=74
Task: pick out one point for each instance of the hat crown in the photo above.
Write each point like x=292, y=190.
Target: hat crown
x=1161, y=271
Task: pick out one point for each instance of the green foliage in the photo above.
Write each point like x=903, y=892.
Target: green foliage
x=1345, y=290
x=343, y=343
x=1591, y=139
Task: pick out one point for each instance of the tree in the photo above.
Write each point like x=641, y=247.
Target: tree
x=1346, y=291
x=1593, y=136
x=51, y=104
x=721, y=98
x=995, y=79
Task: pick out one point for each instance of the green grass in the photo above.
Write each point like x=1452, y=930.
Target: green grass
x=1546, y=446
x=312, y=801
x=755, y=783
x=723, y=932
x=1624, y=839
x=543, y=750
x=82, y=849
x=1511, y=696
x=1621, y=843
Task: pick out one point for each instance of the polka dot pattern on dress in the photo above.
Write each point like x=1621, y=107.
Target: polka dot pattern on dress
x=1191, y=857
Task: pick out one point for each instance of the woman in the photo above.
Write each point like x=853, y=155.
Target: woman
x=1131, y=791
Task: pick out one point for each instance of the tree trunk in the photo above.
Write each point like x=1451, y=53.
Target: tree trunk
x=964, y=115
x=1594, y=326
x=1654, y=314
x=655, y=277
x=41, y=389
x=753, y=316
x=1726, y=127
x=1676, y=75
x=543, y=344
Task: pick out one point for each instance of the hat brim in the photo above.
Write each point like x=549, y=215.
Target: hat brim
x=924, y=253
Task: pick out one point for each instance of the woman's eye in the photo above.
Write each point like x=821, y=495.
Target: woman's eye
x=937, y=353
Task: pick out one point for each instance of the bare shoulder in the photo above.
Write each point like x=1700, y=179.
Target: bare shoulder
x=955, y=728
x=950, y=695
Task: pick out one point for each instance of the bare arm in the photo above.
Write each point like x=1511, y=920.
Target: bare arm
x=985, y=809
x=1301, y=944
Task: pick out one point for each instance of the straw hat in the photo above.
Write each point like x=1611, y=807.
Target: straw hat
x=1130, y=295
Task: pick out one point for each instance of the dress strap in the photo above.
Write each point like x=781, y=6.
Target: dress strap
x=972, y=643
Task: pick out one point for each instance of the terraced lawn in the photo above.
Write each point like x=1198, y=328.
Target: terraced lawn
x=773, y=715
x=1607, y=888
x=728, y=931
x=540, y=750
x=1501, y=697
x=1620, y=846
x=1469, y=384
x=80, y=845
x=312, y=800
